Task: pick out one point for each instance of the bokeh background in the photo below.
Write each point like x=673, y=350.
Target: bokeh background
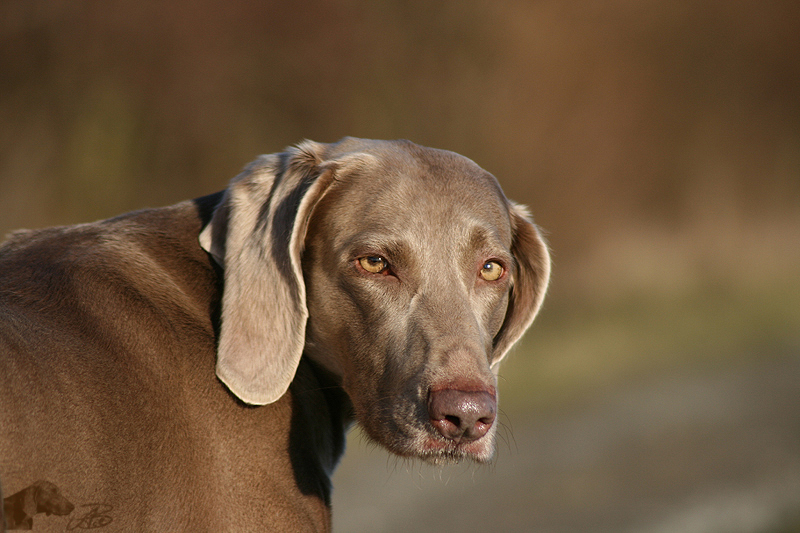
x=658, y=144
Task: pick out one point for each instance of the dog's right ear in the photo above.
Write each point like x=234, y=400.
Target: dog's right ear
x=256, y=235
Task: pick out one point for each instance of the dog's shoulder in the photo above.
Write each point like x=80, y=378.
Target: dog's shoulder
x=146, y=260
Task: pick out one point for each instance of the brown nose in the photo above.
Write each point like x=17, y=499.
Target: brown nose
x=461, y=415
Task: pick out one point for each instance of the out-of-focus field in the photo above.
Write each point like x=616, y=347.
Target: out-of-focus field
x=657, y=143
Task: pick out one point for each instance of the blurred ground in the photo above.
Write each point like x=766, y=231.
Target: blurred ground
x=684, y=452
x=658, y=144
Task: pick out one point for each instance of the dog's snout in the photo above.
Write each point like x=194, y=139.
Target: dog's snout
x=462, y=415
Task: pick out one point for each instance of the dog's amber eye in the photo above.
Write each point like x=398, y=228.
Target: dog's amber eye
x=373, y=263
x=491, y=271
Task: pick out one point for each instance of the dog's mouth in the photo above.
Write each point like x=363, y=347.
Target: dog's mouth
x=437, y=450
x=439, y=426
x=424, y=441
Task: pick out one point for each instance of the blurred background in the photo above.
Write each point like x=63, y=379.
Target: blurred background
x=657, y=143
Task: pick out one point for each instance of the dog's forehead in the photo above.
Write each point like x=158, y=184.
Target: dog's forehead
x=422, y=192
x=403, y=157
x=404, y=171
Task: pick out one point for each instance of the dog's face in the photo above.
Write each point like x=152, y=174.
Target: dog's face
x=409, y=269
x=401, y=269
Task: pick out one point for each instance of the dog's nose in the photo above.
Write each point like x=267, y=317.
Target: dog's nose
x=462, y=415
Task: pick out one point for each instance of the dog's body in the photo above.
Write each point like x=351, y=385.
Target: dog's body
x=134, y=417
x=110, y=333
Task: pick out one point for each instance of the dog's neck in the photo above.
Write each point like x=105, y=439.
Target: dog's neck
x=321, y=415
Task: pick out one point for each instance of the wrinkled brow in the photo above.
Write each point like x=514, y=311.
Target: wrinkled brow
x=378, y=243
x=489, y=240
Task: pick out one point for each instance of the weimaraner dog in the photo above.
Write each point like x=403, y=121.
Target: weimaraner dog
x=196, y=367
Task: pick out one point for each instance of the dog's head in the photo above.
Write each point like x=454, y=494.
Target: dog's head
x=401, y=269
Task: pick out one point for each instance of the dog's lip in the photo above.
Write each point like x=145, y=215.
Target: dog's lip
x=438, y=447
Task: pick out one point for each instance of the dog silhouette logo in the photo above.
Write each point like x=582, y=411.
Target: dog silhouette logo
x=40, y=497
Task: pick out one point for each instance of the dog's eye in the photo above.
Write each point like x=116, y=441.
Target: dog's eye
x=374, y=264
x=492, y=271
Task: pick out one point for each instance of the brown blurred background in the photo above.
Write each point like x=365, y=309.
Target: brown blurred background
x=658, y=143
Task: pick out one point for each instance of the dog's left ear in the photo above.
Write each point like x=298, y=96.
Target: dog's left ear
x=531, y=276
x=256, y=234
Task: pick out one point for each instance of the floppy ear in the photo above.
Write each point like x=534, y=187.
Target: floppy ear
x=531, y=277
x=256, y=234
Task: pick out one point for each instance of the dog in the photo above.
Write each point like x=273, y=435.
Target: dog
x=196, y=367
x=40, y=497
